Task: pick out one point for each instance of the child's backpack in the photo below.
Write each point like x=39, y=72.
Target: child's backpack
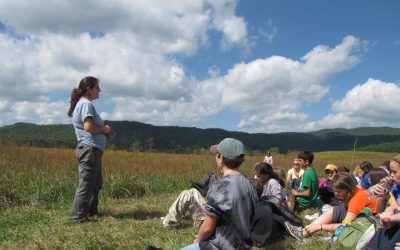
x=207, y=181
x=359, y=232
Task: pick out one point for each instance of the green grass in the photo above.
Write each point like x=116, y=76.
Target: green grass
x=37, y=187
x=126, y=224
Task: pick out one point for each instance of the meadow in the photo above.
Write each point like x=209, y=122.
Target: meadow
x=37, y=187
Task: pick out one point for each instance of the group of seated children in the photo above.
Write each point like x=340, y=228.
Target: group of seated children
x=340, y=198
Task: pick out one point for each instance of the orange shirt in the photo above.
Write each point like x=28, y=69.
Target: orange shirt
x=360, y=200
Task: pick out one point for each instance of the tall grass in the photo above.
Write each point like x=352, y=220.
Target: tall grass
x=37, y=187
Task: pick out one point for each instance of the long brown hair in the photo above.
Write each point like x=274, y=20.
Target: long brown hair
x=343, y=181
x=77, y=93
x=264, y=168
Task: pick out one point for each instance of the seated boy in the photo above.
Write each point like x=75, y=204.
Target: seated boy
x=307, y=194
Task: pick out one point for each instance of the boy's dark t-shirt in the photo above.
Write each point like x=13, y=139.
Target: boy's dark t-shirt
x=232, y=200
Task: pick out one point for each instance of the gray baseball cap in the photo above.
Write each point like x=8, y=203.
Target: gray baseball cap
x=230, y=148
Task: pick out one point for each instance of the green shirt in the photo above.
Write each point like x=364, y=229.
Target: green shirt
x=310, y=181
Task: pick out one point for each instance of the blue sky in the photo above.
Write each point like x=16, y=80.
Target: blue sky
x=254, y=66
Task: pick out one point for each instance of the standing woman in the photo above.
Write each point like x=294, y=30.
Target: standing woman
x=91, y=134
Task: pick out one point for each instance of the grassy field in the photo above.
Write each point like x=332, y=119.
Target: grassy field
x=37, y=186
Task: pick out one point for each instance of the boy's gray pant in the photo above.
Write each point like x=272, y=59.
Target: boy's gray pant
x=90, y=181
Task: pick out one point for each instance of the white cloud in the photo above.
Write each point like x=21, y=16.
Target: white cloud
x=131, y=55
x=43, y=112
x=269, y=32
x=234, y=28
x=268, y=93
x=372, y=103
x=134, y=57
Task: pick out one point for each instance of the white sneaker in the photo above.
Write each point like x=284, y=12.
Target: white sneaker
x=169, y=224
x=312, y=217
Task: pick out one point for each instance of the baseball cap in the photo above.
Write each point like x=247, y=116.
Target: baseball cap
x=331, y=167
x=230, y=148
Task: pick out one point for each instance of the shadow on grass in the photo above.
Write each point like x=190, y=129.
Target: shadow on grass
x=137, y=215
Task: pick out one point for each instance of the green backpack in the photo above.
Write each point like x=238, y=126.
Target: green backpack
x=359, y=232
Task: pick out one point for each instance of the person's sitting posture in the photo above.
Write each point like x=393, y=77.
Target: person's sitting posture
x=326, y=195
x=375, y=175
x=231, y=204
x=274, y=187
x=273, y=217
x=192, y=201
x=365, y=166
x=389, y=234
x=294, y=175
x=354, y=200
x=307, y=194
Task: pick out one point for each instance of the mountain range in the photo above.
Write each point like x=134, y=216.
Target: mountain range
x=137, y=136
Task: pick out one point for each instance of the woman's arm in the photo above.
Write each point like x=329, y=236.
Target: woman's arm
x=89, y=126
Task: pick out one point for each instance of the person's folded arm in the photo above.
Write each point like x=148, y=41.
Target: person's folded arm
x=89, y=126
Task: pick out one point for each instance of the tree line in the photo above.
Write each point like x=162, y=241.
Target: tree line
x=137, y=136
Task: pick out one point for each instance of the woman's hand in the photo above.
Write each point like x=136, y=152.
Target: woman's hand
x=397, y=247
x=108, y=132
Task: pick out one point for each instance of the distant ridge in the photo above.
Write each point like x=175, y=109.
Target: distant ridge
x=132, y=135
x=361, y=131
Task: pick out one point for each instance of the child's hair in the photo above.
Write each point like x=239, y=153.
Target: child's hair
x=366, y=166
x=280, y=173
x=386, y=164
x=343, y=169
x=234, y=164
x=264, y=168
x=343, y=181
x=257, y=186
x=376, y=174
x=396, y=159
x=307, y=156
x=357, y=170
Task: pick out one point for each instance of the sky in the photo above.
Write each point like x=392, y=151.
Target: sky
x=257, y=66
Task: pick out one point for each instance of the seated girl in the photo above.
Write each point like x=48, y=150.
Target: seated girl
x=273, y=217
x=274, y=187
x=389, y=235
x=354, y=200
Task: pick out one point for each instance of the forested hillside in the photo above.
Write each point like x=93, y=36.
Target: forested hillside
x=136, y=136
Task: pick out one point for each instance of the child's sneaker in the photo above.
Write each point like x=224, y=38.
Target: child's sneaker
x=169, y=224
x=294, y=231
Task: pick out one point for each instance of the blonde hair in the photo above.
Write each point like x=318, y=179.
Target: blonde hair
x=357, y=171
x=396, y=159
x=297, y=160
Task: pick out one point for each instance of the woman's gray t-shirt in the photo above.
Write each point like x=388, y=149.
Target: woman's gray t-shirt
x=83, y=109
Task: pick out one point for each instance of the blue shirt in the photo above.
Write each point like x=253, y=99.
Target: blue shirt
x=365, y=181
x=396, y=193
x=84, y=109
